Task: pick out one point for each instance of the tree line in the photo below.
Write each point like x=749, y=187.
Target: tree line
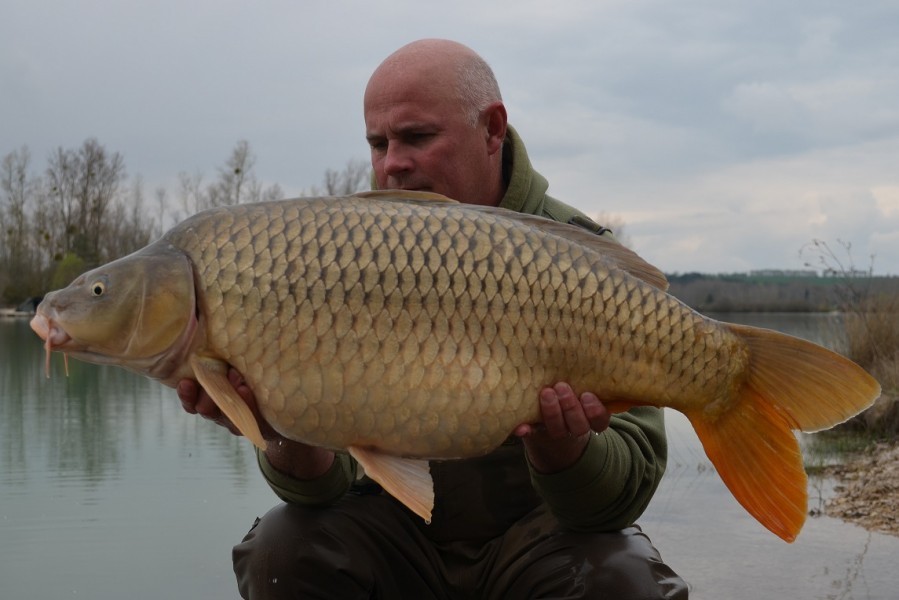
x=746, y=293
x=82, y=210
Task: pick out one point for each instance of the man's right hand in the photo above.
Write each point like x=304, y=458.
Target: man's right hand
x=293, y=458
x=196, y=401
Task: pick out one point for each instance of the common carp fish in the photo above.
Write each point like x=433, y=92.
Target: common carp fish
x=403, y=327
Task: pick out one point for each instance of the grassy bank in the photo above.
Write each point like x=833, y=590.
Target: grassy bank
x=871, y=321
x=872, y=338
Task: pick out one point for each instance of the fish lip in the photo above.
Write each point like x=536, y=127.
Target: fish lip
x=48, y=330
x=40, y=325
x=54, y=337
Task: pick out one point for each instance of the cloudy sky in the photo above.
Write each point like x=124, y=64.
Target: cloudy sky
x=726, y=135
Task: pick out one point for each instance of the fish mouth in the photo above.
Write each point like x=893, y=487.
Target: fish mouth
x=53, y=336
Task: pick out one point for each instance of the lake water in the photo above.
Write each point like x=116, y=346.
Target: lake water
x=108, y=490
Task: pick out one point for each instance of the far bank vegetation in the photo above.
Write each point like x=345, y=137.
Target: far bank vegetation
x=771, y=291
x=870, y=308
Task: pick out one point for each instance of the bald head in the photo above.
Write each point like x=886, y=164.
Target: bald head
x=471, y=79
x=435, y=121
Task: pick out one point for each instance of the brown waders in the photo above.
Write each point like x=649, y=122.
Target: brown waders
x=491, y=537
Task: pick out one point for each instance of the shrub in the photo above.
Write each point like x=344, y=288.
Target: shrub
x=871, y=322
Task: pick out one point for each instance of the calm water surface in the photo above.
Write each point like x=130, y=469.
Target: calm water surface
x=108, y=490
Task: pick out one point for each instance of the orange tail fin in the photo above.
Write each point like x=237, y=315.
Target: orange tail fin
x=792, y=384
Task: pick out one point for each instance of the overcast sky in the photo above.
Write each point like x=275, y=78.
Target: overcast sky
x=726, y=135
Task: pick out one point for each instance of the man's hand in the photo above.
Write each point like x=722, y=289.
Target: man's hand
x=568, y=421
x=290, y=457
x=196, y=401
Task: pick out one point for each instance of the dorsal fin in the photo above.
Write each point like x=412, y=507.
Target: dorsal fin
x=404, y=195
x=616, y=254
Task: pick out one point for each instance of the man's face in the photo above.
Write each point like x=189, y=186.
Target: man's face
x=420, y=139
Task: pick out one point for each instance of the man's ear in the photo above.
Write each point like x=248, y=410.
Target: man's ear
x=495, y=119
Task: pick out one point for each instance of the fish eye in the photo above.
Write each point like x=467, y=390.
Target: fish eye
x=98, y=288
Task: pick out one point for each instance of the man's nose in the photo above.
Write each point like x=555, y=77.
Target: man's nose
x=397, y=160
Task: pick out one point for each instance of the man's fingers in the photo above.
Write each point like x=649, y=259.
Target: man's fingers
x=562, y=413
x=551, y=413
x=566, y=415
x=187, y=393
x=206, y=407
x=195, y=400
x=576, y=422
x=595, y=412
x=243, y=390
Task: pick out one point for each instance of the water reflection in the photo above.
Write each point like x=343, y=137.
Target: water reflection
x=822, y=328
x=82, y=424
x=102, y=474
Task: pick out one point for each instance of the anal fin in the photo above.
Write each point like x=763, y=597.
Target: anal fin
x=406, y=479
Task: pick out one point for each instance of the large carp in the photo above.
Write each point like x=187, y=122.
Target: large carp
x=400, y=327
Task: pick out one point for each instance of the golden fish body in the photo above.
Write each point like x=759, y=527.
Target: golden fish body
x=410, y=327
x=429, y=330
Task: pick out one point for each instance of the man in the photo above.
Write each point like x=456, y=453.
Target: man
x=548, y=514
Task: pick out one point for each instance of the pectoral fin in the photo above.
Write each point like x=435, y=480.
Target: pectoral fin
x=406, y=479
x=213, y=376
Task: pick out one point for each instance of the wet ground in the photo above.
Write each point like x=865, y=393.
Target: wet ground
x=867, y=488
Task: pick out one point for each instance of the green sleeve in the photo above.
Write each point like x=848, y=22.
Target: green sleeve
x=321, y=490
x=612, y=483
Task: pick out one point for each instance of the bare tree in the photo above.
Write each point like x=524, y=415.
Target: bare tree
x=234, y=177
x=127, y=227
x=84, y=184
x=16, y=257
x=236, y=184
x=61, y=217
x=47, y=244
x=16, y=188
x=192, y=194
x=160, y=211
x=355, y=177
x=100, y=177
x=261, y=193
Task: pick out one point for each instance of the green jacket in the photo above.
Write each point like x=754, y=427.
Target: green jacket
x=607, y=489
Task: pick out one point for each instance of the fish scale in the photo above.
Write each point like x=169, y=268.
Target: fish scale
x=396, y=325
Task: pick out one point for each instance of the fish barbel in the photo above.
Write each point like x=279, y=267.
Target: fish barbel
x=401, y=327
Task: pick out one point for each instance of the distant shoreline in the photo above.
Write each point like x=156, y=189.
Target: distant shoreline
x=11, y=313
x=770, y=292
